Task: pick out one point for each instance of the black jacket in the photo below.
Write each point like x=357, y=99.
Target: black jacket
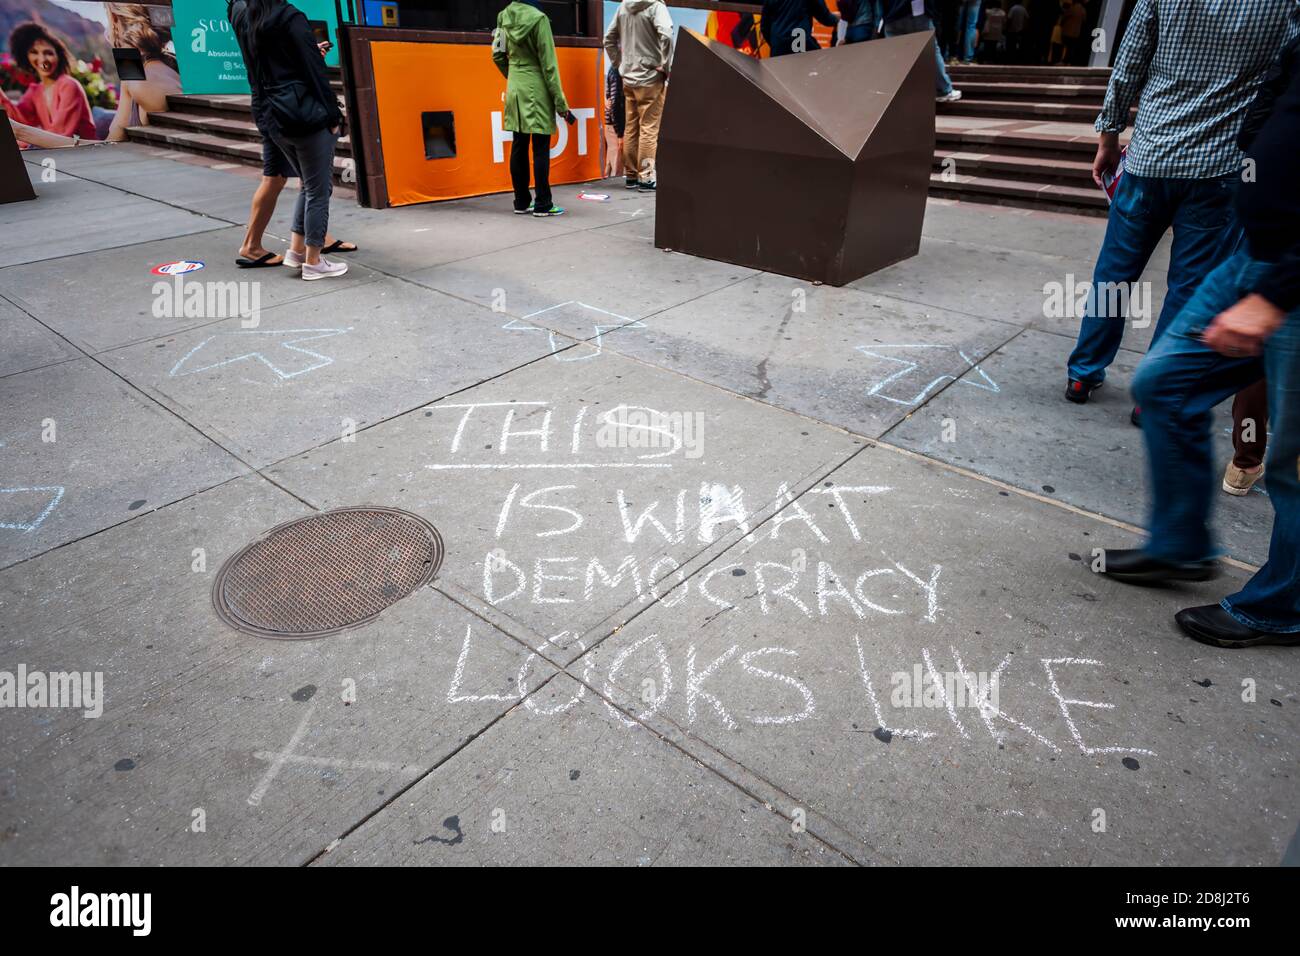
x=286, y=50
x=782, y=17
x=901, y=9
x=1268, y=200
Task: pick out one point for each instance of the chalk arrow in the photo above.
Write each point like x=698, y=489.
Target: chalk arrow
x=907, y=367
x=279, y=350
x=47, y=499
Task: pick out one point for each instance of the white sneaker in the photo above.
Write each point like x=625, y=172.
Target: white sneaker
x=292, y=259
x=951, y=97
x=325, y=269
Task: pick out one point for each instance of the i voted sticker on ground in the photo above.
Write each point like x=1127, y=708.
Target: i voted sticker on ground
x=178, y=268
x=594, y=197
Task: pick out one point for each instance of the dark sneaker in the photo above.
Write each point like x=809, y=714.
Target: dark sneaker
x=553, y=211
x=1211, y=624
x=1135, y=416
x=646, y=187
x=1135, y=566
x=524, y=212
x=1079, y=392
x=631, y=182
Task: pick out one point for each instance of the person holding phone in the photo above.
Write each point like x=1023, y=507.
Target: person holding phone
x=524, y=51
x=294, y=105
x=276, y=172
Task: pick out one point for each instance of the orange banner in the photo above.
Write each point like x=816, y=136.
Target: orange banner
x=412, y=79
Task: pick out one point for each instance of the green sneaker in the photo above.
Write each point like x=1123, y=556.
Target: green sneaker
x=553, y=211
x=524, y=212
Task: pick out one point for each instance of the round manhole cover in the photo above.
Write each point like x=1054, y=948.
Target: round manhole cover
x=320, y=574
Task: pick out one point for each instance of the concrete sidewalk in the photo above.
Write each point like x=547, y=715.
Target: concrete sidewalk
x=719, y=652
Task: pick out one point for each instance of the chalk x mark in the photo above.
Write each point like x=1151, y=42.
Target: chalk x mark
x=908, y=367
x=278, y=760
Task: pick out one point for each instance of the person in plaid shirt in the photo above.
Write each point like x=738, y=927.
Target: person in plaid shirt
x=1241, y=325
x=1192, y=66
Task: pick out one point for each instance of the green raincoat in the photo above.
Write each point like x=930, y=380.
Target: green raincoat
x=524, y=51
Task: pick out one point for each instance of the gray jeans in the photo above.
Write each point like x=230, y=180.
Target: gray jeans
x=312, y=157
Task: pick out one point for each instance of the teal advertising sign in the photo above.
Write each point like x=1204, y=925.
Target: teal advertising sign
x=206, y=50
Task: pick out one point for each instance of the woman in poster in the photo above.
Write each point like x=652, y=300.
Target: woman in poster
x=55, y=109
x=129, y=26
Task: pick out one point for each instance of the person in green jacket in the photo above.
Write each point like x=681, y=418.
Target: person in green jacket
x=524, y=51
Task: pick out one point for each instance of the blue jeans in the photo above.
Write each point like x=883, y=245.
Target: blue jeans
x=1205, y=233
x=905, y=25
x=861, y=32
x=1178, y=384
x=967, y=21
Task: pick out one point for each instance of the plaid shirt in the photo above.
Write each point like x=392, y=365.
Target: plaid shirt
x=1193, y=66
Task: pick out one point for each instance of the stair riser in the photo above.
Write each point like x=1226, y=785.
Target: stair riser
x=965, y=195
x=244, y=132
x=227, y=154
x=1080, y=152
x=1006, y=170
x=1009, y=95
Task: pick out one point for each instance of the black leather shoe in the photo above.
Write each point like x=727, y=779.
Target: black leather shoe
x=1211, y=624
x=1079, y=392
x=1135, y=566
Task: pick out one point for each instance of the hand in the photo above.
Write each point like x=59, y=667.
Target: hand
x=1107, y=158
x=569, y=117
x=1241, y=330
x=324, y=46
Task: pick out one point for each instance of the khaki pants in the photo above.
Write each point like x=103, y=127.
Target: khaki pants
x=645, y=106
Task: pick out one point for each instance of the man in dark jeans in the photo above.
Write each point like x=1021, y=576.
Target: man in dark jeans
x=1242, y=323
x=1183, y=162
x=787, y=24
x=917, y=16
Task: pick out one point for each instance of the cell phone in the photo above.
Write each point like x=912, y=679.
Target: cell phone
x=320, y=29
x=129, y=63
x=1110, y=181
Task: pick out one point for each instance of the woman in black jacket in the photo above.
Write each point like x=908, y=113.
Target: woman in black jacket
x=293, y=103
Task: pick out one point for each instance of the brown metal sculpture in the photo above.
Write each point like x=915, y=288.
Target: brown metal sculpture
x=15, y=186
x=814, y=165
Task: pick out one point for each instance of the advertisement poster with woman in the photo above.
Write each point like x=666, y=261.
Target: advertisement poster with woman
x=59, y=77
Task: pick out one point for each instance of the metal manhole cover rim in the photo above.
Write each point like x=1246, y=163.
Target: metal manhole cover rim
x=229, y=617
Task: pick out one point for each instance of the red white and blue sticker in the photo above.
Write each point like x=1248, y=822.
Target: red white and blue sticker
x=178, y=268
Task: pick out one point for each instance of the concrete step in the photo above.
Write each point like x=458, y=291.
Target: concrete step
x=1011, y=109
x=1081, y=145
x=1032, y=92
x=1011, y=192
x=236, y=126
x=220, y=105
x=247, y=152
x=1022, y=169
x=997, y=73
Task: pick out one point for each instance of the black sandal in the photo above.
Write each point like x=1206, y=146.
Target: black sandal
x=337, y=246
x=261, y=262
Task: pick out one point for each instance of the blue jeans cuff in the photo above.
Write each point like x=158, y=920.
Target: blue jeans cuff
x=1258, y=625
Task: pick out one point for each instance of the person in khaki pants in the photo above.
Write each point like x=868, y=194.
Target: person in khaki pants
x=639, y=42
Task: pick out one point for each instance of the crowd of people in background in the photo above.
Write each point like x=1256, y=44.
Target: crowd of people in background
x=1020, y=32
